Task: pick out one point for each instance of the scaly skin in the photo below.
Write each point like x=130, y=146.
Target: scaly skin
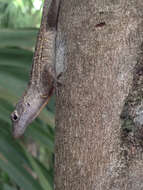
x=41, y=83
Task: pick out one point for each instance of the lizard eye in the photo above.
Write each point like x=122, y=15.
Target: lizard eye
x=14, y=116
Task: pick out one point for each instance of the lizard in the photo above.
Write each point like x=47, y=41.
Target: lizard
x=42, y=77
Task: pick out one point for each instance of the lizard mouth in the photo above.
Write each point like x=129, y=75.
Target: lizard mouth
x=28, y=115
x=20, y=126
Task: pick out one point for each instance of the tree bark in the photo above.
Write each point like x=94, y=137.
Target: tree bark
x=103, y=57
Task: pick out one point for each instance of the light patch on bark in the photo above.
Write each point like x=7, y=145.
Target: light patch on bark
x=60, y=65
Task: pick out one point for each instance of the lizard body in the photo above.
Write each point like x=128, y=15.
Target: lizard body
x=41, y=84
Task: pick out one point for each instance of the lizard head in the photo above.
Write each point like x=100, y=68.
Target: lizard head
x=27, y=109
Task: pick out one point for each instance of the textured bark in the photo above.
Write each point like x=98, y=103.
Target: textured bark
x=103, y=41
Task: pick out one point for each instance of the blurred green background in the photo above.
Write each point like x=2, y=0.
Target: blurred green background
x=26, y=163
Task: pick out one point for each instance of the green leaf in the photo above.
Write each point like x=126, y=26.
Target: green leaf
x=42, y=179
x=8, y=149
x=7, y=81
x=20, y=176
x=48, y=117
x=7, y=95
x=47, y=172
x=23, y=38
x=7, y=187
x=15, y=57
x=40, y=135
x=5, y=1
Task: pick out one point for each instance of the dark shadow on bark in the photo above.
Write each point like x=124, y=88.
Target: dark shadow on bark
x=132, y=117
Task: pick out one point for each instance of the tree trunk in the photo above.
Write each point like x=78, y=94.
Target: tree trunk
x=101, y=94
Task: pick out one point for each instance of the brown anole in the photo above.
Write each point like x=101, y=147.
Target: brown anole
x=41, y=84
